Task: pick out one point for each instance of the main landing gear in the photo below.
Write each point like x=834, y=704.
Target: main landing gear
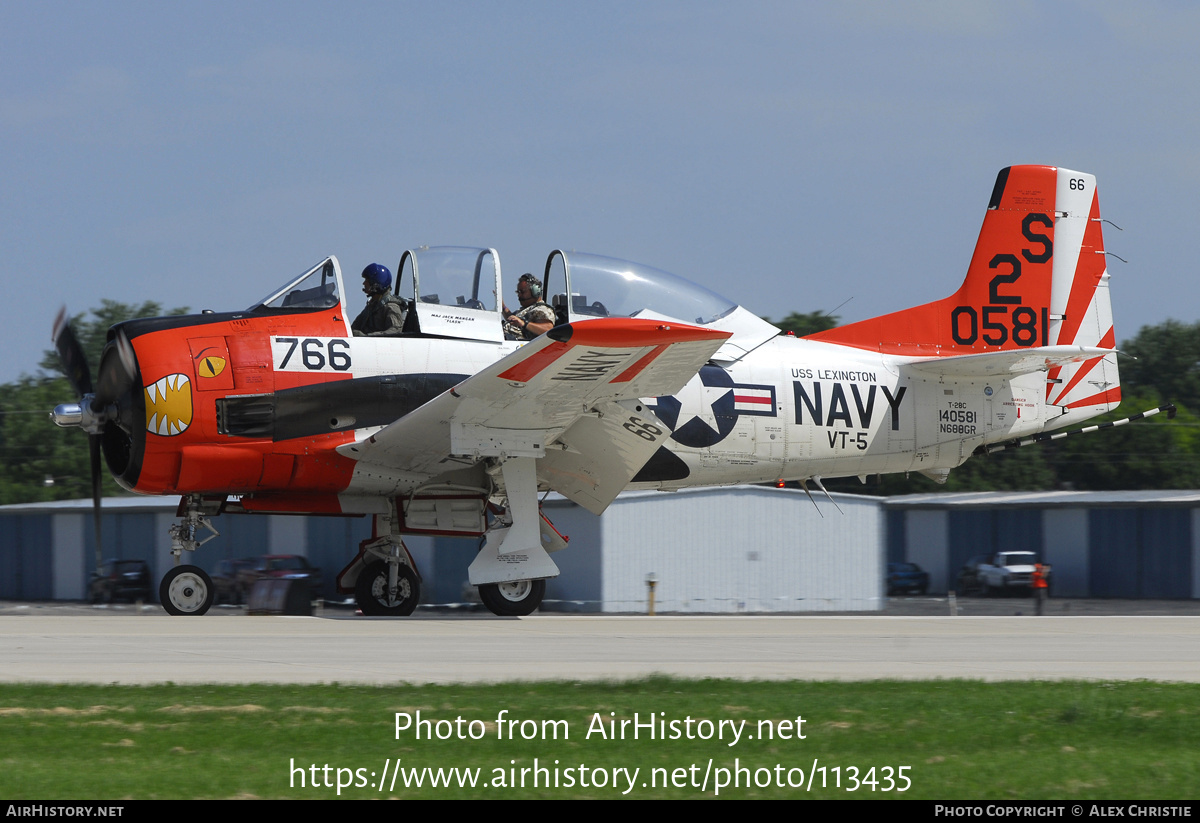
x=515, y=598
x=378, y=594
x=383, y=578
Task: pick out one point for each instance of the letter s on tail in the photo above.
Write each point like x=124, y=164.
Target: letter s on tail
x=1038, y=278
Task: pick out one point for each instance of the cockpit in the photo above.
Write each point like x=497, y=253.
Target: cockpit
x=454, y=291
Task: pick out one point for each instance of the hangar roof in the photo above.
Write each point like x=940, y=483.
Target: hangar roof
x=1045, y=499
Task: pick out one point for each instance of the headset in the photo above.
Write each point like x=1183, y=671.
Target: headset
x=535, y=286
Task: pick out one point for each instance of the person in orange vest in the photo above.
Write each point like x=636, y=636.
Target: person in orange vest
x=1041, y=574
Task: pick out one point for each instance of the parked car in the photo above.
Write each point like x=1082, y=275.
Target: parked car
x=289, y=566
x=906, y=577
x=120, y=580
x=1006, y=572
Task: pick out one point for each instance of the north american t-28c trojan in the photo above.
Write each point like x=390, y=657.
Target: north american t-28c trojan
x=647, y=381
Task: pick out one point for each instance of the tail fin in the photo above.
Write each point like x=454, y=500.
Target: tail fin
x=1038, y=277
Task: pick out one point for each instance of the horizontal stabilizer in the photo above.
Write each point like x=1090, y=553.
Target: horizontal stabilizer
x=1006, y=363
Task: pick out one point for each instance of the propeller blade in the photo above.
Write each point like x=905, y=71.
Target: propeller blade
x=94, y=449
x=71, y=354
x=118, y=366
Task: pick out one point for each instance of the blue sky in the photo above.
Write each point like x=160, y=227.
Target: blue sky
x=791, y=156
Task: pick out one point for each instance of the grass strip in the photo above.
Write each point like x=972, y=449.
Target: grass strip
x=957, y=739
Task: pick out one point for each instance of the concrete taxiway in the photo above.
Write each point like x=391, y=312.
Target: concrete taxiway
x=152, y=648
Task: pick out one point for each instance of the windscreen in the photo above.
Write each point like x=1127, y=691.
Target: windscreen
x=315, y=289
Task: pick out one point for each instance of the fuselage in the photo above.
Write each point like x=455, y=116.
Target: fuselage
x=257, y=405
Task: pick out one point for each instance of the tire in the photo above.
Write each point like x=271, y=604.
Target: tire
x=186, y=591
x=515, y=599
x=370, y=592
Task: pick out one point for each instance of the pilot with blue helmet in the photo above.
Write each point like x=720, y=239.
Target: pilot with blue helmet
x=383, y=316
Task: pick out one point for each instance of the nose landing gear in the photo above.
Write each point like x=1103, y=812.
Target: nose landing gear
x=186, y=590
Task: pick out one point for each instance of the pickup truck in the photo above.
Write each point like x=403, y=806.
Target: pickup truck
x=1005, y=571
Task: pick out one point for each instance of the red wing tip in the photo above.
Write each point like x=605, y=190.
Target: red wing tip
x=627, y=332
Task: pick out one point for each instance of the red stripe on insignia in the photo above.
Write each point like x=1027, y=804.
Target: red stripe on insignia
x=1106, y=397
x=536, y=362
x=643, y=361
x=752, y=398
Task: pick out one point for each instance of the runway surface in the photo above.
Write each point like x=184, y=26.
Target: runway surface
x=153, y=648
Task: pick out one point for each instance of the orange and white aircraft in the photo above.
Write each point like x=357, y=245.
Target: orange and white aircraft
x=648, y=381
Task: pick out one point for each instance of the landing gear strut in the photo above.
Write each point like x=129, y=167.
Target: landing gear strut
x=188, y=590
x=387, y=582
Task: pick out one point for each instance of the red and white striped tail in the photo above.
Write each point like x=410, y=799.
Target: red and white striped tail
x=1080, y=309
x=1038, y=278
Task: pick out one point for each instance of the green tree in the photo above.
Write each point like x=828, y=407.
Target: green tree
x=803, y=324
x=92, y=332
x=1165, y=358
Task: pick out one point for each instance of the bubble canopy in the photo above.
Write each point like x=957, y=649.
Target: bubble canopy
x=583, y=285
x=454, y=292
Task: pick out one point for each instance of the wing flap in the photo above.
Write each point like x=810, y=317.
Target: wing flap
x=599, y=454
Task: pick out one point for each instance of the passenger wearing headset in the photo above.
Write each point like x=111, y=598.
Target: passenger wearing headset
x=534, y=317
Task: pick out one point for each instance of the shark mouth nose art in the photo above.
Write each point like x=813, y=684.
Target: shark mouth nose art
x=169, y=405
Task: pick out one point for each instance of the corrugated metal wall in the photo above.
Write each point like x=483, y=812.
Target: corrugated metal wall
x=1097, y=550
x=926, y=534
x=26, y=561
x=1140, y=552
x=897, y=544
x=1066, y=545
x=742, y=550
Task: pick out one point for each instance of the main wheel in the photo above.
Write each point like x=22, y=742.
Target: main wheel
x=371, y=591
x=186, y=590
x=514, y=599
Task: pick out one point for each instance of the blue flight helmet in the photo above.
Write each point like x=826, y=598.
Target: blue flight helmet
x=377, y=279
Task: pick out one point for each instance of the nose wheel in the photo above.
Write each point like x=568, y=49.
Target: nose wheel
x=186, y=590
